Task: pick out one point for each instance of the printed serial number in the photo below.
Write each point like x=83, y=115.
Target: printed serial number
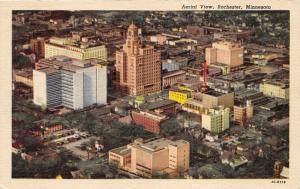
x=278, y=181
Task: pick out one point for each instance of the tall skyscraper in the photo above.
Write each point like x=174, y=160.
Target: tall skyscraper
x=75, y=84
x=138, y=66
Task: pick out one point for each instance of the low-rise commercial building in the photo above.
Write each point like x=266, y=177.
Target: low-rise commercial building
x=256, y=97
x=179, y=96
x=194, y=106
x=166, y=107
x=149, y=120
x=212, y=99
x=159, y=39
x=24, y=77
x=121, y=157
x=69, y=47
x=275, y=89
x=172, y=78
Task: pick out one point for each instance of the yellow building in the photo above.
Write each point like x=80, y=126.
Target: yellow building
x=157, y=156
x=68, y=47
x=180, y=94
x=216, y=120
x=275, y=89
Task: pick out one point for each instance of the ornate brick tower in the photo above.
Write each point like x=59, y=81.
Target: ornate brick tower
x=138, y=67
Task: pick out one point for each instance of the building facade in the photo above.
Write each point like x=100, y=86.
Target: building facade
x=38, y=47
x=173, y=78
x=242, y=113
x=165, y=106
x=68, y=47
x=179, y=96
x=213, y=99
x=216, y=120
x=150, y=121
x=25, y=78
x=194, y=106
x=61, y=81
x=138, y=67
x=228, y=53
x=275, y=89
x=121, y=157
x=151, y=157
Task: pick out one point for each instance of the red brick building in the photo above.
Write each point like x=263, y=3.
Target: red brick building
x=150, y=121
x=48, y=129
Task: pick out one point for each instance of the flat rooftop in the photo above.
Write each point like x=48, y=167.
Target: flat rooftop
x=173, y=73
x=156, y=144
x=65, y=63
x=214, y=93
x=152, y=115
x=194, y=102
x=121, y=150
x=280, y=83
x=27, y=74
x=59, y=42
x=157, y=104
x=159, y=144
x=245, y=93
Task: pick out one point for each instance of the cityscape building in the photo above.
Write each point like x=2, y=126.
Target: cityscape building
x=152, y=157
x=225, y=52
x=69, y=82
x=138, y=66
x=216, y=119
x=67, y=46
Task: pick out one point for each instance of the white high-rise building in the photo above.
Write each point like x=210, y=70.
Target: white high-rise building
x=68, y=82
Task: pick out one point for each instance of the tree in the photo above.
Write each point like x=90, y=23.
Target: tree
x=48, y=168
x=64, y=155
x=19, y=167
x=21, y=61
x=31, y=144
x=170, y=127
